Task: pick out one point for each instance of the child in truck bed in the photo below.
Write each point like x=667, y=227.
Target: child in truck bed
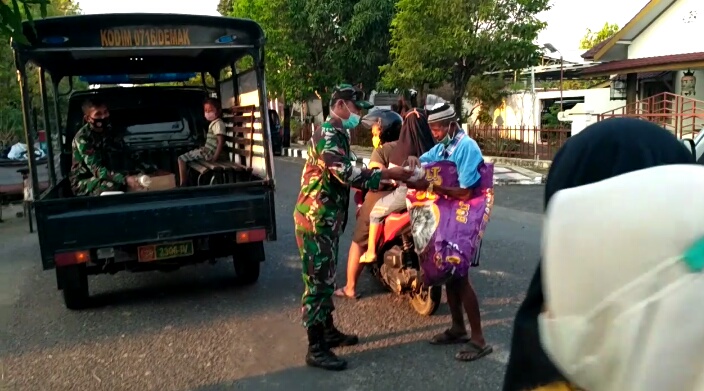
x=212, y=151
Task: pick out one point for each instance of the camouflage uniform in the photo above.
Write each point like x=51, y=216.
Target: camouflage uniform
x=89, y=176
x=321, y=215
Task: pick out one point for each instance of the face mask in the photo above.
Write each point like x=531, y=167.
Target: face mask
x=100, y=123
x=446, y=140
x=351, y=122
x=646, y=336
x=210, y=116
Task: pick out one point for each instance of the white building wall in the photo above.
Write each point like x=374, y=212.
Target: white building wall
x=676, y=31
x=522, y=110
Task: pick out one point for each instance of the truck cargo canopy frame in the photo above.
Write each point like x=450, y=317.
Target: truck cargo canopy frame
x=110, y=44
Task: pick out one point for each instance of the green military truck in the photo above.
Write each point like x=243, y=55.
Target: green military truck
x=229, y=212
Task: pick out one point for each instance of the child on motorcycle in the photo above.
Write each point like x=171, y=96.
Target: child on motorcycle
x=415, y=140
x=389, y=123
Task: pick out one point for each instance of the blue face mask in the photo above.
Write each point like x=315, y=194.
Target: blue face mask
x=352, y=121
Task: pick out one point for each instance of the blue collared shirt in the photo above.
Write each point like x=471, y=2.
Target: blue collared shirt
x=464, y=152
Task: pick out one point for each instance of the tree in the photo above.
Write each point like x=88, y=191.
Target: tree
x=10, y=99
x=367, y=41
x=225, y=7
x=315, y=44
x=460, y=39
x=284, y=52
x=13, y=12
x=592, y=38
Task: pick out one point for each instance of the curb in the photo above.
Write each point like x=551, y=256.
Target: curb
x=303, y=154
x=361, y=162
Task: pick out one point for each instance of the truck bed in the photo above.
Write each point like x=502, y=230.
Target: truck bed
x=79, y=223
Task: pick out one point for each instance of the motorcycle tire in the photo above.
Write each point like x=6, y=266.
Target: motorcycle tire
x=427, y=301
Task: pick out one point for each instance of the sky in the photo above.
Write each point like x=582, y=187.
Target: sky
x=568, y=20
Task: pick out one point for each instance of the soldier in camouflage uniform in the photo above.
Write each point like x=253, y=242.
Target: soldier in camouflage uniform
x=89, y=175
x=320, y=217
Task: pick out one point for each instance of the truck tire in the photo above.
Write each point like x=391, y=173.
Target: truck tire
x=73, y=281
x=247, y=261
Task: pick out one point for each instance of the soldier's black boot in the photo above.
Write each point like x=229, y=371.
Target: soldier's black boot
x=319, y=354
x=335, y=338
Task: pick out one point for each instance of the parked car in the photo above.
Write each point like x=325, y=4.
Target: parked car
x=277, y=142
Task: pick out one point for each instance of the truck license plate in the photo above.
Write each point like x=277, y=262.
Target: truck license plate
x=158, y=252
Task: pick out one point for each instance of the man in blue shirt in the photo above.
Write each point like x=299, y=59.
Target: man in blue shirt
x=456, y=146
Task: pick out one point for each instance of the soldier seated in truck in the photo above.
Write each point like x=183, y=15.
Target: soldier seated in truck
x=89, y=172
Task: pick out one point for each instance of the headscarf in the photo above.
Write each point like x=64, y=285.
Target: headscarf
x=603, y=150
x=415, y=138
x=622, y=266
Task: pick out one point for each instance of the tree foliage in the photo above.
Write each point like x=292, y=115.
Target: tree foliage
x=315, y=44
x=285, y=70
x=458, y=39
x=225, y=7
x=592, y=38
x=12, y=13
x=10, y=99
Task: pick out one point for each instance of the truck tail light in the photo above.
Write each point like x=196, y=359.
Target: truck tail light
x=255, y=235
x=72, y=258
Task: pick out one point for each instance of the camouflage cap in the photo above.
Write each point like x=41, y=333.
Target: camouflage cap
x=352, y=94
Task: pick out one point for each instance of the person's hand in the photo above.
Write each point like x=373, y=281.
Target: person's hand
x=133, y=183
x=397, y=174
x=413, y=162
x=420, y=184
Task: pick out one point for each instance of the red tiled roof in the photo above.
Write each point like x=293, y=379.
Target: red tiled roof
x=622, y=66
x=589, y=54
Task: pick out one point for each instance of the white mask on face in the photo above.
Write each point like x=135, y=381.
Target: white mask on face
x=623, y=301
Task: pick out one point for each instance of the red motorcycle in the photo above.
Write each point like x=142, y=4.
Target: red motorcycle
x=397, y=266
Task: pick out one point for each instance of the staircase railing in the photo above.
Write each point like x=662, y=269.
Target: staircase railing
x=681, y=115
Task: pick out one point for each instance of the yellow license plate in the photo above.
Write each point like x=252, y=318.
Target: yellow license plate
x=158, y=252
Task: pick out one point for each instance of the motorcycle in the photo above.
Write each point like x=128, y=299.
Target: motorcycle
x=397, y=266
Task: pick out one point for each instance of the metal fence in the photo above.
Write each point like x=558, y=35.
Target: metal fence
x=515, y=142
x=519, y=142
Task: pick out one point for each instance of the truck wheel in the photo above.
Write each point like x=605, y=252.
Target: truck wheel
x=73, y=281
x=247, y=260
x=427, y=301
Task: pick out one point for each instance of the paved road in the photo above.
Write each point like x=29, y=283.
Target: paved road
x=193, y=329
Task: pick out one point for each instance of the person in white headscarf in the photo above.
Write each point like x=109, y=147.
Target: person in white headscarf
x=623, y=283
